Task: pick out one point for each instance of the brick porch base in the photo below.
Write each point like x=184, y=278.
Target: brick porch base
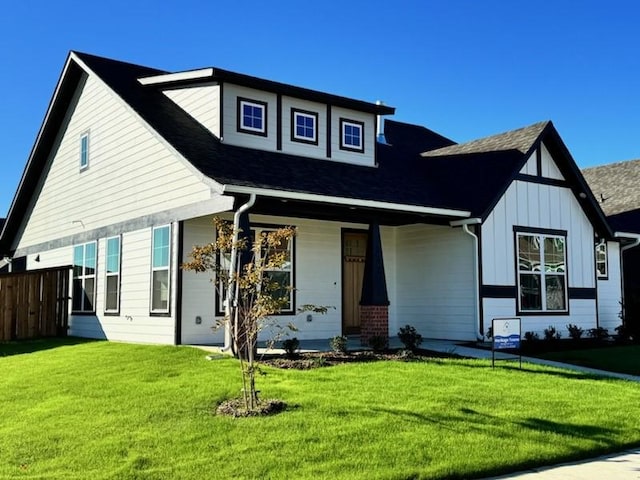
x=374, y=322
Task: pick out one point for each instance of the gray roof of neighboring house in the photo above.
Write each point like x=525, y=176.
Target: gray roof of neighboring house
x=616, y=186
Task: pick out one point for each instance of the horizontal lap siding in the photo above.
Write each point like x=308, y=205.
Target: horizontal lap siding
x=610, y=290
x=201, y=102
x=435, y=284
x=131, y=172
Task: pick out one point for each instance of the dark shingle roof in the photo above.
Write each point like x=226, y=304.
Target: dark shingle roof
x=615, y=186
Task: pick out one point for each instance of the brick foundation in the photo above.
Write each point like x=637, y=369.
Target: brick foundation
x=374, y=321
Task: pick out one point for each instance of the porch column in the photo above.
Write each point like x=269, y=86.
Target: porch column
x=374, y=303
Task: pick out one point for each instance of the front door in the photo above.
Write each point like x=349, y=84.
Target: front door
x=354, y=247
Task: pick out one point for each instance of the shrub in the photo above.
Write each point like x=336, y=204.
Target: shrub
x=575, y=332
x=551, y=334
x=338, y=344
x=291, y=346
x=531, y=337
x=378, y=343
x=598, y=333
x=410, y=337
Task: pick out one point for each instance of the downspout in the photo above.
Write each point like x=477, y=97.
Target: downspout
x=476, y=268
x=623, y=249
x=231, y=300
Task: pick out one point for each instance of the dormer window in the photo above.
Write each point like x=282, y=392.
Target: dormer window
x=304, y=126
x=84, y=151
x=252, y=116
x=351, y=135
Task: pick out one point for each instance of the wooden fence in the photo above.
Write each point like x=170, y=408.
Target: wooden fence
x=34, y=304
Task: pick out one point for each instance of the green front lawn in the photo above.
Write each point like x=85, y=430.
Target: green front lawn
x=104, y=410
x=623, y=359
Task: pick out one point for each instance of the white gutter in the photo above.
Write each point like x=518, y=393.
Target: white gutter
x=231, y=291
x=476, y=267
x=351, y=202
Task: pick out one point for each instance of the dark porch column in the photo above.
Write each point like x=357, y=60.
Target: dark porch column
x=374, y=303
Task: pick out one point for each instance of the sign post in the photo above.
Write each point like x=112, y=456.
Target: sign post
x=506, y=336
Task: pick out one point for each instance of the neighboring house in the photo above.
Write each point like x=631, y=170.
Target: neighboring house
x=615, y=186
x=396, y=224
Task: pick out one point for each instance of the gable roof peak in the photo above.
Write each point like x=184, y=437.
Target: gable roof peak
x=521, y=139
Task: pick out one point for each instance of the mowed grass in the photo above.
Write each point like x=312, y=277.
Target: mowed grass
x=622, y=359
x=101, y=410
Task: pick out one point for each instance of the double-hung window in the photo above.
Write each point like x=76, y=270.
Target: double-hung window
x=601, y=260
x=252, y=116
x=351, y=135
x=84, y=278
x=112, y=276
x=542, y=275
x=304, y=126
x=160, y=269
x=84, y=151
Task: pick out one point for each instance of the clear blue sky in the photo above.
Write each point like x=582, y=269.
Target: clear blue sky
x=464, y=68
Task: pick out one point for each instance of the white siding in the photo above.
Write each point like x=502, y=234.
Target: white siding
x=541, y=206
x=610, y=290
x=298, y=148
x=549, y=167
x=531, y=167
x=435, y=281
x=202, y=102
x=131, y=172
x=366, y=158
x=230, y=133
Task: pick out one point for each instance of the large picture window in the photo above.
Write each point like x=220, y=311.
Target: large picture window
x=112, y=276
x=542, y=275
x=601, y=260
x=84, y=278
x=160, y=268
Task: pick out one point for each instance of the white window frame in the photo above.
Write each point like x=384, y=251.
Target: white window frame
x=85, y=145
x=344, y=123
x=156, y=270
x=295, y=114
x=262, y=106
x=83, y=277
x=112, y=274
x=602, y=257
x=542, y=273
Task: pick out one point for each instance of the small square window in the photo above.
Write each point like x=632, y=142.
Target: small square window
x=351, y=135
x=252, y=116
x=304, y=126
x=84, y=151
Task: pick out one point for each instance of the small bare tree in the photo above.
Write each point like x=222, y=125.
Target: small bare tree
x=243, y=275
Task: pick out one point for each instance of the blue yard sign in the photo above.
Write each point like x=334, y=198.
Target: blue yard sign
x=506, y=333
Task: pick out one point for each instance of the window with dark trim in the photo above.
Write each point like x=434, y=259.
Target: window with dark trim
x=112, y=275
x=84, y=151
x=160, y=269
x=252, y=116
x=351, y=135
x=541, y=270
x=284, y=275
x=601, y=260
x=84, y=278
x=304, y=126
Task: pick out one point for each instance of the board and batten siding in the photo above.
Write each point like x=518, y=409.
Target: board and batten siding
x=318, y=278
x=542, y=206
x=610, y=290
x=202, y=102
x=549, y=169
x=435, y=286
x=131, y=172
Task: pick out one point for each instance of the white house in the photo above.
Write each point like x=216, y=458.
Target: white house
x=396, y=224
